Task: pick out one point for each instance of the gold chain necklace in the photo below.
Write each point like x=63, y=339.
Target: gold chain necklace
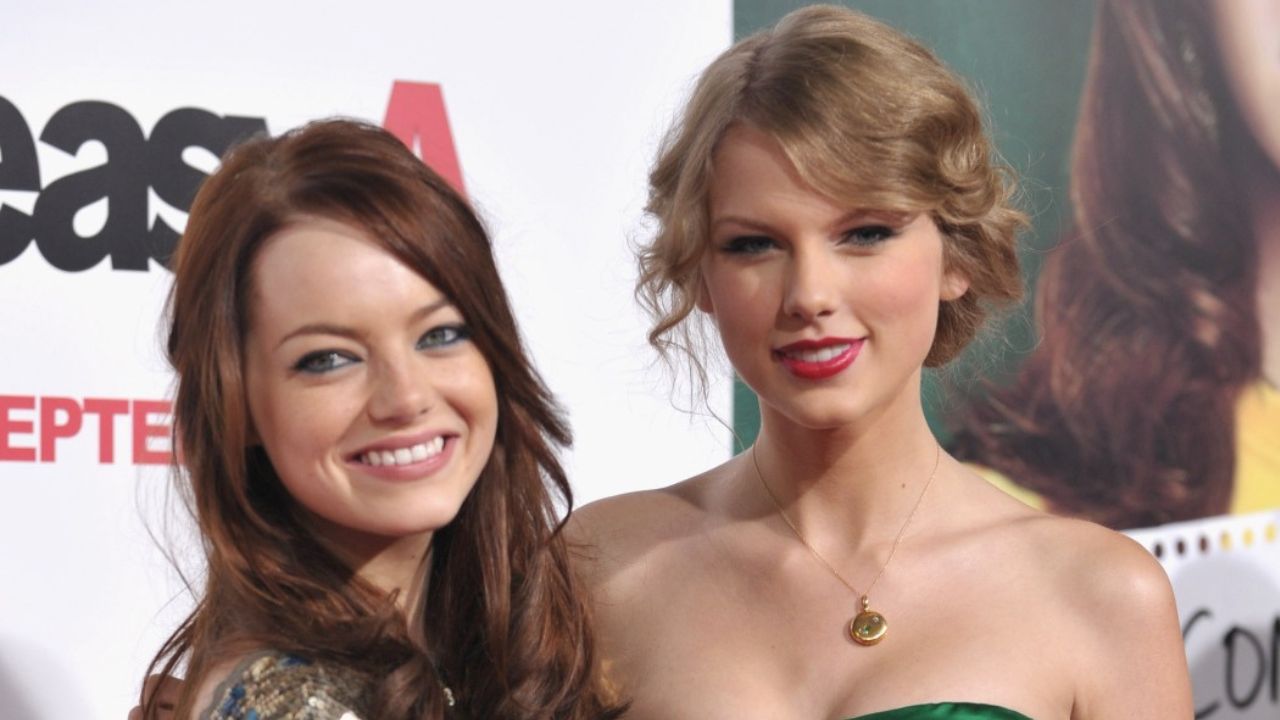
x=868, y=627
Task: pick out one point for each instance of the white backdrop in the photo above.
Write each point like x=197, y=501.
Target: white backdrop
x=555, y=110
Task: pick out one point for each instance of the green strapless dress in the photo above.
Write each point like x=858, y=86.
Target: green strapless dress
x=946, y=711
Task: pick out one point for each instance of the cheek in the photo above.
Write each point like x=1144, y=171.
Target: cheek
x=469, y=389
x=299, y=430
x=742, y=301
x=903, y=303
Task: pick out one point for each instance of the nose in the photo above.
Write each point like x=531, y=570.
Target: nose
x=401, y=391
x=812, y=285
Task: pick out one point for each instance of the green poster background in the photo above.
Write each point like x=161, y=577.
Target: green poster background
x=1025, y=59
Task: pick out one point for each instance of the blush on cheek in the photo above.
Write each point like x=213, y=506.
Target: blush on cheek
x=903, y=309
x=903, y=295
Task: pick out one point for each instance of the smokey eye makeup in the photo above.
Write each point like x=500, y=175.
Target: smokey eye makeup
x=438, y=337
x=442, y=336
x=747, y=245
x=862, y=236
x=323, y=361
x=870, y=235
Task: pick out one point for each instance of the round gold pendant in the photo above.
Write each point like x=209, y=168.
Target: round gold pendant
x=868, y=627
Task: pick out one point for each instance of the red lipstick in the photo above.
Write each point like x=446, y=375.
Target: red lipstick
x=818, y=359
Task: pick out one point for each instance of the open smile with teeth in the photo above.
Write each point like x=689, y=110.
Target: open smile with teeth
x=817, y=355
x=404, y=455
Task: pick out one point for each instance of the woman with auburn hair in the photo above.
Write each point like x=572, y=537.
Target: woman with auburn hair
x=370, y=456
x=829, y=201
x=1151, y=396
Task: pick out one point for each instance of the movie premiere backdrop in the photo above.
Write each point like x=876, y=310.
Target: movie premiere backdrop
x=547, y=116
x=1135, y=388
x=112, y=113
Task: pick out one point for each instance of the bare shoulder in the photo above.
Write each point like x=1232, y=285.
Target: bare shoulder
x=1086, y=562
x=1117, y=612
x=637, y=517
x=1096, y=568
x=620, y=532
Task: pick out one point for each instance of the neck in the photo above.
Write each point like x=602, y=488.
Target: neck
x=1265, y=211
x=400, y=567
x=850, y=487
x=391, y=564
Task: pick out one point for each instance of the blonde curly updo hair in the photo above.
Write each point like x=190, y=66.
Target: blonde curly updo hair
x=868, y=117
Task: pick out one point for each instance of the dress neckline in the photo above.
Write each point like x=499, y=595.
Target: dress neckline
x=1006, y=713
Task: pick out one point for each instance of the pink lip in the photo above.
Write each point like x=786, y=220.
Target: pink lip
x=412, y=471
x=820, y=370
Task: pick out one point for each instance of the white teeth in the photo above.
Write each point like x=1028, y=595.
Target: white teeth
x=405, y=455
x=819, y=355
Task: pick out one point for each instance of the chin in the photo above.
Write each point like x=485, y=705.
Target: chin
x=829, y=416
x=410, y=519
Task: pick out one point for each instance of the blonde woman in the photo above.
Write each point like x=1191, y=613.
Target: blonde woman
x=830, y=203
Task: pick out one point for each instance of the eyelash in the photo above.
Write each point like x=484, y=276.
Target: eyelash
x=748, y=245
x=324, y=361
x=864, y=236
x=869, y=235
x=453, y=334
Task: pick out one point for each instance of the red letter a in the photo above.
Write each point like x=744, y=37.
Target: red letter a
x=415, y=114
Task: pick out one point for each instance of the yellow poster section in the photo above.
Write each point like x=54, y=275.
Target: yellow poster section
x=1257, y=481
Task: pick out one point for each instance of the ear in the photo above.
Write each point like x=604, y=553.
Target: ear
x=954, y=285
x=702, y=297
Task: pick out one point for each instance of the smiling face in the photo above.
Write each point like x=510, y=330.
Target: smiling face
x=377, y=411
x=827, y=311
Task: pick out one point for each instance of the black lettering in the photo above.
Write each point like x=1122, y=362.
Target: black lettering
x=176, y=182
x=1275, y=658
x=122, y=180
x=1196, y=617
x=1229, y=643
x=19, y=170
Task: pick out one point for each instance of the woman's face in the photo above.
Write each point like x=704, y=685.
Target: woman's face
x=827, y=311
x=1248, y=35
x=377, y=411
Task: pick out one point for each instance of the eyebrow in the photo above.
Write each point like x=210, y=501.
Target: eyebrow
x=846, y=219
x=322, y=328
x=745, y=222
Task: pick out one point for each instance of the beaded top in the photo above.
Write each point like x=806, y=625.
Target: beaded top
x=276, y=686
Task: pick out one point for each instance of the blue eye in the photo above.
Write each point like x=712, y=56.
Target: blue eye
x=323, y=361
x=748, y=245
x=443, y=336
x=869, y=235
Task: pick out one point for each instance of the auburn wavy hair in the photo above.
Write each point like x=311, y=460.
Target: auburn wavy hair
x=1125, y=411
x=507, y=620
x=867, y=116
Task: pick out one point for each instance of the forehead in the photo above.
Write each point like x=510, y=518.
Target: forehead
x=743, y=146
x=322, y=269
x=752, y=175
x=754, y=165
